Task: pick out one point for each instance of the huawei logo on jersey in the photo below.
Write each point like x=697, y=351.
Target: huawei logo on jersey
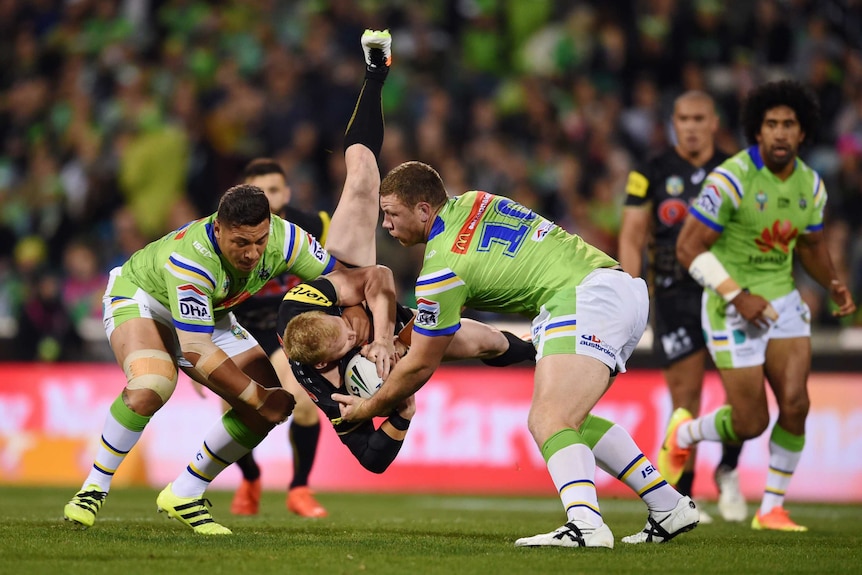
x=778, y=236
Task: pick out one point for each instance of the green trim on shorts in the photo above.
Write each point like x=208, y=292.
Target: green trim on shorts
x=239, y=431
x=593, y=429
x=783, y=438
x=560, y=440
x=724, y=425
x=128, y=418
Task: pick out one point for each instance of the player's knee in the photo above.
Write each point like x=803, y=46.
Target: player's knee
x=152, y=370
x=305, y=412
x=750, y=425
x=795, y=407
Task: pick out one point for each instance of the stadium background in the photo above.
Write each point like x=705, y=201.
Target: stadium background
x=121, y=120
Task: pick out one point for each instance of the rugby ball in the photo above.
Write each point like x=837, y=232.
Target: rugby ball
x=360, y=377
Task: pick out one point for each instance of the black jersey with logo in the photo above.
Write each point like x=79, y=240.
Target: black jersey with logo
x=667, y=184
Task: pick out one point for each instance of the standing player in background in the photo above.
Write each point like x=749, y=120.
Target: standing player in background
x=754, y=211
x=490, y=253
x=258, y=315
x=657, y=200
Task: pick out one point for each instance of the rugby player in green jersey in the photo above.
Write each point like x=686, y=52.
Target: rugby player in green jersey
x=170, y=305
x=755, y=211
x=490, y=253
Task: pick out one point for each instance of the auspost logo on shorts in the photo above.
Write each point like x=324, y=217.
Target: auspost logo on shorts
x=596, y=343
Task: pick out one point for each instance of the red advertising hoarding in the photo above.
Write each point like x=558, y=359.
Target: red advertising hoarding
x=469, y=435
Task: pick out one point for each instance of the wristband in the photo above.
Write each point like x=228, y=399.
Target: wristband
x=706, y=270
x=398, y=422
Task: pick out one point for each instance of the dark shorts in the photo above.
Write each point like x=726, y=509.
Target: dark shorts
x=678, y=331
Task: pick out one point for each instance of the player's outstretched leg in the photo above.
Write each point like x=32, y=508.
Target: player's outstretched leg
x=662, y=527
x=85, y=505
x=190, y=511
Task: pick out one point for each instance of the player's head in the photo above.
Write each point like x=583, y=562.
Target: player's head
x=694, y=123
x=241, y=227
x=778, y=116
x=410, y=196
x=317, y=338
x=269, y=176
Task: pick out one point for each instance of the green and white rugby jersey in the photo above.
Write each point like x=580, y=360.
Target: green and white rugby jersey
x=185, y=272
x=760, y=218
x=489, y=253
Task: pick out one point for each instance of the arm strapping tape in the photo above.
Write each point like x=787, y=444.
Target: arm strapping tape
x=706, y=270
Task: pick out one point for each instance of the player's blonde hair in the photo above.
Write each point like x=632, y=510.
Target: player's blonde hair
x=307, y=338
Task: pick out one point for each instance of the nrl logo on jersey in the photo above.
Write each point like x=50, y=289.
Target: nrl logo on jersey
x=761, y=198
x=674, y=186
x=315, y=249
x=428, y=312
x=542, y=230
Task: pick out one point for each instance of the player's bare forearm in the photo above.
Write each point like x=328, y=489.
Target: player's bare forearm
x=633, y=237
x=815, y=259
x=694, y=239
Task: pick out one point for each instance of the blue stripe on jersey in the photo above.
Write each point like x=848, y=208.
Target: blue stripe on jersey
x=814, y=228
x=212, y=238
x=329, y=266
x=705, y=220
x=754, y=154
x=434, y=333
x=193, y=327
x=434, y=279
x=194, y=270
x=437, y=228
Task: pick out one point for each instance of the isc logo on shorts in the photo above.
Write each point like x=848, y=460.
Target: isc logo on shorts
x=428, y=312
x=193, y=303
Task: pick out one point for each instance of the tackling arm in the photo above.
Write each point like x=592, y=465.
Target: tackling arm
x=223, y=376
x=408, y=376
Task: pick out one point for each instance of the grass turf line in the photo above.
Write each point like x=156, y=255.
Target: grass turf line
x=397, y=534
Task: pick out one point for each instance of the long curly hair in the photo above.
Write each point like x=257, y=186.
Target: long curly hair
x=788, y=93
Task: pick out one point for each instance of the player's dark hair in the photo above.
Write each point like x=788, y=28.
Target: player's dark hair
x=243, y=205
x=788, y=93
x=414, y=182
x=262, y=167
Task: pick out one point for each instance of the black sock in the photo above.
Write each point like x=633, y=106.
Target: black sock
x=366, y=124
x=519, y=350
x=686, y=480
x=249, y=467
x=303, y=440
x=730, y=455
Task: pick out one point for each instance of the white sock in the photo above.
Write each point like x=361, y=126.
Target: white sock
x=115, y=443
x=218, y=451
x=700, y=429
x=573, y=470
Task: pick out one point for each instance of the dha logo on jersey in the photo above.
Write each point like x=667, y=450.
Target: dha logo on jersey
x=595, y=343
x=315, y=249
x=674, y=186
x=709, y=201
x=194, y=304
x=779, y=236
x=428, y=312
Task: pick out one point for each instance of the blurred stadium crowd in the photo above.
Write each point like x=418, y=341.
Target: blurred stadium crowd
x=123, y=119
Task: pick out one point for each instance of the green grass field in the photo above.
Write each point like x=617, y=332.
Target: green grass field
x=399, y=534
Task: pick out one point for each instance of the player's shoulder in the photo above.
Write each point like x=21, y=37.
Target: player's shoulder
x=318, y=293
